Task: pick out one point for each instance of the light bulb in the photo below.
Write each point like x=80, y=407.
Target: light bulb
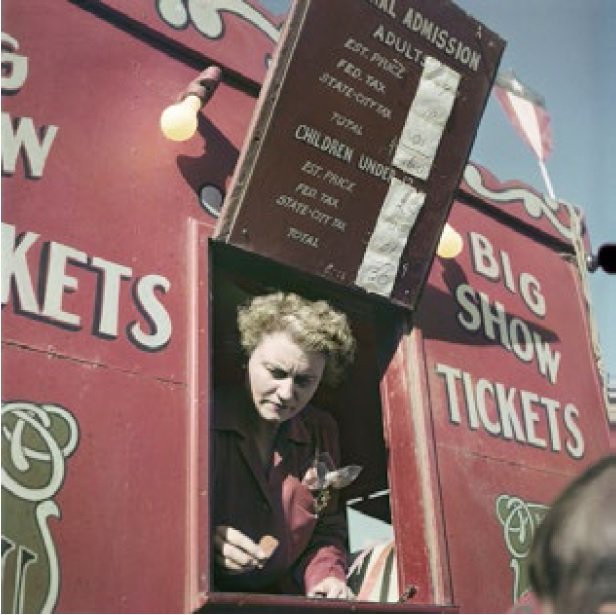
x=179, y=122
x=450, y=243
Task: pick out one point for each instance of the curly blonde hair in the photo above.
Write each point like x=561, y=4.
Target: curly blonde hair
x=314, y=325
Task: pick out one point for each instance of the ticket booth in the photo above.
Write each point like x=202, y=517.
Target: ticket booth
x=125, y=256
x=341, y=192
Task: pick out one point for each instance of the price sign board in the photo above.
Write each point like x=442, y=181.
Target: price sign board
x=363, y=129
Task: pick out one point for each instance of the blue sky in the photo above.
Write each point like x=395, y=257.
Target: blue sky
x=564, y=50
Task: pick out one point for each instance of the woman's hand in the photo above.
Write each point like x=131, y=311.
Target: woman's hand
x=234, y=552
x=331, y=587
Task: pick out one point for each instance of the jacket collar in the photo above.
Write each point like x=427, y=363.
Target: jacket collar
x=231, y=415
x=231, y=408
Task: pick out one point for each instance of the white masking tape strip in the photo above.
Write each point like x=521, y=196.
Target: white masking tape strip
x=426, y=119
x=379, y=267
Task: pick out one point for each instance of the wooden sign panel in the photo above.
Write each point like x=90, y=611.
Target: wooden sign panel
x=515, y=398
x=96, y=322
x=364, y=127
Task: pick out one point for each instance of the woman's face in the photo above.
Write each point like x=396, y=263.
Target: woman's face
x=282, y=376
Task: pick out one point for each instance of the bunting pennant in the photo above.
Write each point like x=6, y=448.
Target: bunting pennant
x=526, y=111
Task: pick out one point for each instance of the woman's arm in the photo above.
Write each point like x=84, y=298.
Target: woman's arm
x=326, y=556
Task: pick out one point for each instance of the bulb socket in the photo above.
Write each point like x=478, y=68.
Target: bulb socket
x=204, y=85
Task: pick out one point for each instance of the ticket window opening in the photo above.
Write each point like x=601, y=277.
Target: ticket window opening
x=355, y=403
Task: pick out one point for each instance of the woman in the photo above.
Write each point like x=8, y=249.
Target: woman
x=271, y=532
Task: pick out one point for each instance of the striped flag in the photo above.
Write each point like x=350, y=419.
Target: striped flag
x=526, y=111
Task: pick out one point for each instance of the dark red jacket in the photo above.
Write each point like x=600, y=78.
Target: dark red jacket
x=311, y=547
